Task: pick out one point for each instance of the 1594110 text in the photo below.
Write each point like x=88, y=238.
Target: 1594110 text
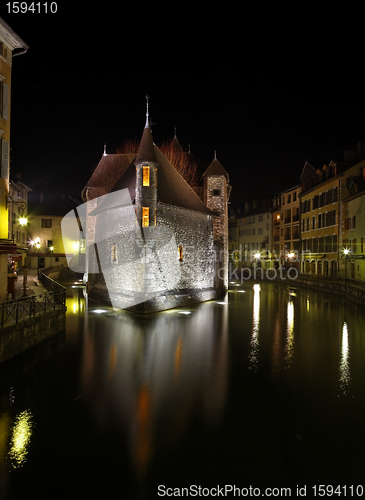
x=32, y=7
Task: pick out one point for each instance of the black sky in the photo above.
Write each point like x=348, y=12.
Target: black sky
x=265, y=93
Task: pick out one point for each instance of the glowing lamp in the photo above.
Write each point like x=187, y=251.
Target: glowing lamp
x=23, y=221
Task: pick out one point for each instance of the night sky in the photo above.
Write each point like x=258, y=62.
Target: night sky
x=267, y=92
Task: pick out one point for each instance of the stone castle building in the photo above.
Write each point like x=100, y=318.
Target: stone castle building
x=154, y=242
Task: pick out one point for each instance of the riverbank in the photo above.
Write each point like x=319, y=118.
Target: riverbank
x=36, y=314
x=347, y=287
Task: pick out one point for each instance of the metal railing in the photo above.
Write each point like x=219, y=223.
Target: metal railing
x=14, y=311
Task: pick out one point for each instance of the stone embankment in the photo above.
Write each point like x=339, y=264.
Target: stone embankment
x=34, y=316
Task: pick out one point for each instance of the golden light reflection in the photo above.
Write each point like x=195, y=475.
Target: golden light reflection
x=144, y=444
x=178, y=355
x=20, y=438
x=289, y=348
x=254, y=353
x=75, y=304
x=113, y=359
x=344, y=372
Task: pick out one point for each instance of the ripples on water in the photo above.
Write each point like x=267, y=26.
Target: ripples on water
x=244, y=389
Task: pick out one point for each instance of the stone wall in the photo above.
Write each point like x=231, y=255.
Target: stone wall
x=177, y=255
x=17, y=338
x=193, y=233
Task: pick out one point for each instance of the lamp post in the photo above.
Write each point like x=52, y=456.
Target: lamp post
x=346, y=253
x=38, y=246
x=23, y=221
x=51, y=251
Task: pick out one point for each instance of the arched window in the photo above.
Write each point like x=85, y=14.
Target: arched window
x=180, y=253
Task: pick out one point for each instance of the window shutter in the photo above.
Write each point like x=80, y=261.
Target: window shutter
x=5, y=159
x=5, y=103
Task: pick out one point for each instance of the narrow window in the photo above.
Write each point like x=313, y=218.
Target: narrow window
x=114, y=254
x=216, y=192
x=181, y=253
x=146, y=176
x=145, y=216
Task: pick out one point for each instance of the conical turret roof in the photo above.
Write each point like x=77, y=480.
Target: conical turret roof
x=216, y=168
x=146, y=151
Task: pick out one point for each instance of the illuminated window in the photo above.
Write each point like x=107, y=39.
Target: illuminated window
x=181, y=253
x=145, y=216
x=114, y=254
x=146, y=176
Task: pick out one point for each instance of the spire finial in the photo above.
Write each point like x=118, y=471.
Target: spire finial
x=215, y=154
x=104, y=149
x=175, y=131
x=147, y=115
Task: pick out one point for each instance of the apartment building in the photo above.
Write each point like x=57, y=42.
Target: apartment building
x=286, y=226
x=352, y=227
x=254, y=234
x=319, y=220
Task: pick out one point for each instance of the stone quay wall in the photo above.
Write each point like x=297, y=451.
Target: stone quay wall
x=29, y=332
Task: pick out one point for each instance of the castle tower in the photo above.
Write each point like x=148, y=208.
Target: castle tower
x=216, y=192
x=146, y=179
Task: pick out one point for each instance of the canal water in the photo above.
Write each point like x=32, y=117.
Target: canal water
x=264, y=389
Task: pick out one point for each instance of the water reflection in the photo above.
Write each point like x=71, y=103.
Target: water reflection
x=344, y=372
x=255, y=341
x=20, y=438
x=289, y=348
x=165, y=397
x=156, y=373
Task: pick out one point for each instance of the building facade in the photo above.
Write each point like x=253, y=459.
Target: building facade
x=10, y=45
x=18, y=220
x=254, y=235
x=352, y=226
x=47, y=245
x=320, y=220
x=286, y=227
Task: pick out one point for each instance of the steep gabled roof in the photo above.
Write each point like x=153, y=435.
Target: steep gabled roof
x=116, y=172
x=109, y=169
x=172, y=189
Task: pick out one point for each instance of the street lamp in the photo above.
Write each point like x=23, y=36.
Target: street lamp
x=23, y=221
